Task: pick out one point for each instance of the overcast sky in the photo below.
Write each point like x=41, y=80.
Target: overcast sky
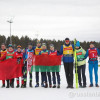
x=52, y=19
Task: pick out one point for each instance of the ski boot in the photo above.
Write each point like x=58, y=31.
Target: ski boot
x=97, y=85
x=3, y=85
x=54, y=86
x=84, y=86
x=7, y=84
x=46, y=85
x=50, y=86
x=91, y=85
x=37, y=85
x=42, y=85
x=68, y=87
x=17, y=86
x=58, y=86
x=24, y=85
x=71, y=86
x=12, y=84
x=80, y=86
x=30, y=84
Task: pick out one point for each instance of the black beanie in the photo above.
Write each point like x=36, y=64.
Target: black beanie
x=66, y=38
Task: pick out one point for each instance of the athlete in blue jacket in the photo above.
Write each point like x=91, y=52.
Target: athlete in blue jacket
x=30, y=49
x=67, y=50
x=93, y=53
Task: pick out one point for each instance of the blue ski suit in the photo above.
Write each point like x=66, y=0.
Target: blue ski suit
x=93, y=65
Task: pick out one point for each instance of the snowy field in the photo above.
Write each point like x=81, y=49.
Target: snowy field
x=52, y=94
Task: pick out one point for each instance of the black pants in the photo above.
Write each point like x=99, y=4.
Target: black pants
x=81, y=71
x=54, y=77
x=11, y=81
x=44, y=77
x=69, y=73
x=37, y=77
x=49, y=77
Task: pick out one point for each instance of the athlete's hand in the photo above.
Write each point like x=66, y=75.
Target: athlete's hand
x=23, y=50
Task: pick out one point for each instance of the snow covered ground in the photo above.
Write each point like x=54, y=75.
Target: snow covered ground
x=50, y=93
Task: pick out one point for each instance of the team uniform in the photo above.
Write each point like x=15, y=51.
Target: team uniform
x=53, y=53
x=93, y=64
x=67, y=51
x=10, y=54
x=45, y=74
x=19, y=57
x=37, y=51
x=81, y=66
x=2, y=53
x=28, y=55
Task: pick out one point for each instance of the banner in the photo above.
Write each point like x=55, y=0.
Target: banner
x=29, y=61
x=10, y=69
x=46, y=63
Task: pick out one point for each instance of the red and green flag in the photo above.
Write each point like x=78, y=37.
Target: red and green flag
x=46, y=63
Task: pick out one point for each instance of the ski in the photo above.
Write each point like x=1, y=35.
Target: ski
x=75, y=57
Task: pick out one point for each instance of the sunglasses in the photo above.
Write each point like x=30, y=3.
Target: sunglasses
x=67, y=41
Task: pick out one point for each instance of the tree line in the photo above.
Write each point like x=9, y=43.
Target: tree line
x=24, y=40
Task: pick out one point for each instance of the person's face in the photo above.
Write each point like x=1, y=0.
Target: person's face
x=91, y=45
x=29, y=47
x=67, y=41
x=19, y=49
x=43, y=47
x=3, y=47
x=39, y=44
x=10, y=49
x=77, y=47
x=52, y=48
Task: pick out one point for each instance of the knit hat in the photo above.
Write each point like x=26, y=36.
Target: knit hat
x=10, y=45
x=77, y=44
x=43, y=44
x=18, y=46
x=51, y=45
x=66, y=39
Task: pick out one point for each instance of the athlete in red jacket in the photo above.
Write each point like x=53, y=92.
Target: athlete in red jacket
x=19, y=56
x=2, y=58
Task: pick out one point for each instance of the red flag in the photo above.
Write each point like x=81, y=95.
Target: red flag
x=46, y=60
x=46, y=63
x=10, y=69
